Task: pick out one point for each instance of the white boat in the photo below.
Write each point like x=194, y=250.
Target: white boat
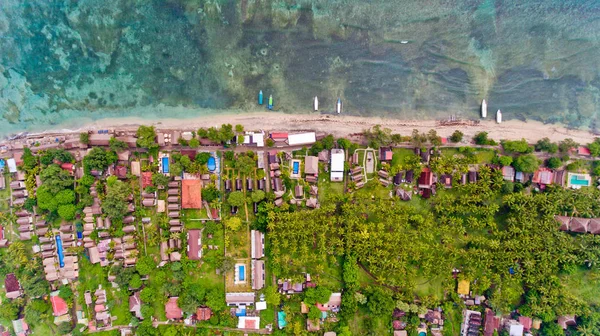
x=316, y=104
x=338, y=106
x=483, y=109
x=499, y=116
x=404, y=42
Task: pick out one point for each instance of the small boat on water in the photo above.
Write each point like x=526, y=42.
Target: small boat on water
x=316, y=104
x=270, y=105
x=499, y=116
x=404, y=42
x=260, y=97
x=338, y=106
x=483, y=109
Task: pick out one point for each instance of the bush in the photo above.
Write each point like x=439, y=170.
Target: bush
x=457, y=136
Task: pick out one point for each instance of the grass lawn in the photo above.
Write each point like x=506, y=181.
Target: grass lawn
x=426, y=287
x=452, y=321
x=400, y=155
x=376, y=189
x=485, y=155
x=4, y=195
x=267, y=316
x=449, y=152
x=584, y=284
x=364, y=323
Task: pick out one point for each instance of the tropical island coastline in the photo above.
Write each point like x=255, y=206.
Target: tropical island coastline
x=299, y=228
x=339, y=126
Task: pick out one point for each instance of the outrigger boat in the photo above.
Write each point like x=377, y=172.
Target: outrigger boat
x=483, y=109
x=316, y=104
x=338, y=106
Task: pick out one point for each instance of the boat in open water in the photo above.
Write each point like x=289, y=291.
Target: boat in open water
x=483, y=109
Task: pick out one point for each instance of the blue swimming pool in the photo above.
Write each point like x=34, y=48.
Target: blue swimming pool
x=296, y=167
x=59, y=251
x=242, y=272
x=579, y=180
x=211, y=164
x=165, y=164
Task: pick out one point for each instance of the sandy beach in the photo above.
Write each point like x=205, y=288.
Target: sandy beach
x=344, y=126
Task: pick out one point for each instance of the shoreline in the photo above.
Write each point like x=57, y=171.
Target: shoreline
x=339, y=126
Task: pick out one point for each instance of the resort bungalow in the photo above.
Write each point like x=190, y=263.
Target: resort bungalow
x=383, y=174
x=311, y=165
x=261, y=184
x=508, y=173
x=237, y=299
x=446, y=180
x=135, y=305
x=298, y=191
x=194, y=248
x=385, y=154
x=257, y=244
x=238, y=184
x=258, y=274
x=172, y=310
x=409, y=176
x=403, y=194
x=472, y=177
x=249, y=183
x=12, y=286
x=425, y=179
x=398, y=178
x=227, y=185
x=543, y=176
x=337, y=165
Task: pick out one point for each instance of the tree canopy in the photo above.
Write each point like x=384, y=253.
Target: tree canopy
x=526, y=163
x=115, y=202
x=146, y=137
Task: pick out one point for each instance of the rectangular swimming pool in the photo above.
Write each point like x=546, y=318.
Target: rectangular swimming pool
x=579, y=181
x=241, y=272
x=165, y=164
x=296, y=167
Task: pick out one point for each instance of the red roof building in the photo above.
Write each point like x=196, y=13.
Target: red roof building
x=194, y=249
x=426, y=178
x=12, y=286
x=279, y=136
x=543, y=176
x=121, y=172
x=492, y=323
x=581, y=150
x=526, y=322
x=172, y=310
x=59, y=306
x=191, y=194
x=203, y=313
x=146, y=179
x=67, y=166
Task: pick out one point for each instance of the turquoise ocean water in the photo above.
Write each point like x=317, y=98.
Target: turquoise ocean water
x=75, y=61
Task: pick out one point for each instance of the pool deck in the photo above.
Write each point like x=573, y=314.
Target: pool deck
x=576, y=181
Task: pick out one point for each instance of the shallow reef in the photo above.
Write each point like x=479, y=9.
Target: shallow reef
x=64, y=60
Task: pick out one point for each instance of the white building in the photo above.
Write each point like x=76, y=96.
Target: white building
x=302, y=139
x=337, y=165
x=12, y=165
